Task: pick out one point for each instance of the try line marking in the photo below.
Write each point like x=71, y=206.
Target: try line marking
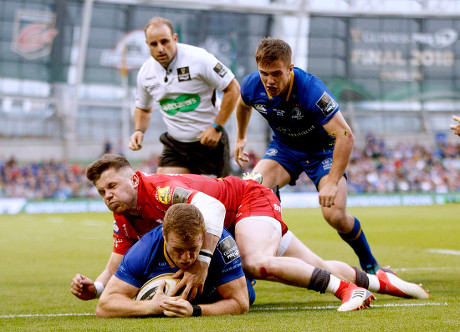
x=445, y=251
x=426, y=268
x=252, y=309
x=335, y=307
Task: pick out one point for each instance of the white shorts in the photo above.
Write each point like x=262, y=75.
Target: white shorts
x=285, y=240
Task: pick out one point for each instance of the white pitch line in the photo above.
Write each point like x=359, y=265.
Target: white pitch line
x=47, y=315
x=335, y=307
x=252, y=309
x=426, y=268
x=445, y=251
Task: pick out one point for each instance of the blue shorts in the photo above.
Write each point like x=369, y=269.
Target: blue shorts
x=315, y=165
x=251, y=292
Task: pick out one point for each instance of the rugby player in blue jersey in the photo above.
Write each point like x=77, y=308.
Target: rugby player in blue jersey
x=167, y=248
x=309, y=135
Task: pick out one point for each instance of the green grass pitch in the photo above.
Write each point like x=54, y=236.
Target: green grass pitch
x=39, y=255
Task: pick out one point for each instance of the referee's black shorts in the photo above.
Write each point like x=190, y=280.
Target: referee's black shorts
x=198, y=158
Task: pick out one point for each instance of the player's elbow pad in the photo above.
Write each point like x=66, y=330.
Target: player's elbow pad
x=213, y=212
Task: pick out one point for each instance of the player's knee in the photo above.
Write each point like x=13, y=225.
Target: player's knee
x=259, y=267
x=336, y=218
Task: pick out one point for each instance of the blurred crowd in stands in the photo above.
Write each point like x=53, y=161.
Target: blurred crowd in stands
x=408, y=167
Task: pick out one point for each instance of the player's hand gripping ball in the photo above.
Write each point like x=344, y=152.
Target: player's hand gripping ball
x=149, y=289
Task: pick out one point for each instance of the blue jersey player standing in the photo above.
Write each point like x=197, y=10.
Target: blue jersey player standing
x=309, y=135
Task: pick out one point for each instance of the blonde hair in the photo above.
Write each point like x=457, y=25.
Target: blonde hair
x=184, y=220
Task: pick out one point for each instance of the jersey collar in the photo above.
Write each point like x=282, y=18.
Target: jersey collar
x=140, y=196
x=168, y=258
x=173, y=63
x=291, y=83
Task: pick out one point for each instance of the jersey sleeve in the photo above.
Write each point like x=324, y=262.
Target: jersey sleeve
x=121, y=243
x=143, y=98
x=228, y=259
x=129, y=272
x=245, y=90
x=133, y=268
x=215, y=73
x=320, y=101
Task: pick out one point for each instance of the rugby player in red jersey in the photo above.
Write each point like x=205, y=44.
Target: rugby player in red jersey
x=250, y=211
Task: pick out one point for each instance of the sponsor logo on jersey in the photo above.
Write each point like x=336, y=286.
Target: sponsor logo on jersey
x=271, y=152
x=327, y=163
x=184, y=103
x=116, y=230
x=326, y=104
x=279, y=112
x=228, y=249
x=291, y=133
x=116, y=241
x=220, y=69
x=163, y=195
x=183, y=74
x=260, y=108
x=125, y=229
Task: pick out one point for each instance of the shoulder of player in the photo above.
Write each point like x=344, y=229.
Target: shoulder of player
x=227, y=249
x=302, y=77
x=149, y=242
x=308, y=83
x=251, y=83
x=149, y=64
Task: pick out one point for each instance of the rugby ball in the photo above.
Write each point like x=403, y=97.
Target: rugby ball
x=149, y=289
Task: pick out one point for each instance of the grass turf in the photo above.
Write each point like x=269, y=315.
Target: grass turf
x=41, y=253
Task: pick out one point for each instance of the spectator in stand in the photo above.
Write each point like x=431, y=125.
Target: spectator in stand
x=374, y=169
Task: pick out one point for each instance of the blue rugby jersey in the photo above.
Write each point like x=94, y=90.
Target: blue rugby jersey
x=148, y=259
x=296, y=118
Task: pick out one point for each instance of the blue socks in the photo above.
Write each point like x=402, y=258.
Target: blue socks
x=357, y=240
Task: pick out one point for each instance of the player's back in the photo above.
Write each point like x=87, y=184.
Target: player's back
x=228, y=190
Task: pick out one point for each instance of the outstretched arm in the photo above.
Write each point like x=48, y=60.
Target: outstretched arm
x=235, y=301
x=213, y=214
x=118, y=301
x=85, y=289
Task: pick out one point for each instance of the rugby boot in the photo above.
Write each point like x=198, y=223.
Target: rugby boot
x=393, y=285
x=256, y=176
x=353, y=297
